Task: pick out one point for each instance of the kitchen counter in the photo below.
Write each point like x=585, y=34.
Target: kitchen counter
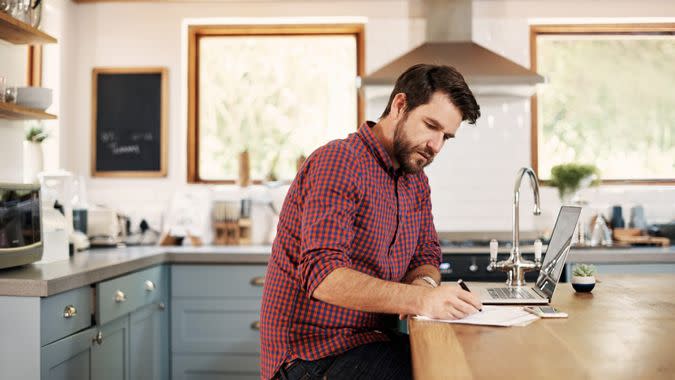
x=88, y=267
x=623, y=330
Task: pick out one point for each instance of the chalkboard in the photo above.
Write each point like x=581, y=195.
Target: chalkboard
x=129, y=136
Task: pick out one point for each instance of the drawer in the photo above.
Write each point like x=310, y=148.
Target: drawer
x=215, y=366
x=215, y=326
x=65, y=313
x=243, y=281
x=122, y=295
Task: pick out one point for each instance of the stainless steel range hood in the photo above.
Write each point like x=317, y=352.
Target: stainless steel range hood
x=449, y=42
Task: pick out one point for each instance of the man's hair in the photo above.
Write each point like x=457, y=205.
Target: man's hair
x=420, y=82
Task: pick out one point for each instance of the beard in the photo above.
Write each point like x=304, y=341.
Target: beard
x=407, y=154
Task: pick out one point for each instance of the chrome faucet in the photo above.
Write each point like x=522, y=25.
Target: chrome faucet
x=515, y=265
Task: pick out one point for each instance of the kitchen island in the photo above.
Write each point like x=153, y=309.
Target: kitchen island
x=624, y=329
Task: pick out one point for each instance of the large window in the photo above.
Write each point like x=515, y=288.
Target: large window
x=609, y=100
x=277, y=92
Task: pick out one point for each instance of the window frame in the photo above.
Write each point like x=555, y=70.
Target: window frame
x=195, y=32
x=588, y=29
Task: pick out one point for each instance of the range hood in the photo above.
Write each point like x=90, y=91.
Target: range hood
x=448, y=42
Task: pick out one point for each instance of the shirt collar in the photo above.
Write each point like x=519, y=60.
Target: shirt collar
x=376, y=148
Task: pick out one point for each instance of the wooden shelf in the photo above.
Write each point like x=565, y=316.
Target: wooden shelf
x=10, y=111
x=20, y=33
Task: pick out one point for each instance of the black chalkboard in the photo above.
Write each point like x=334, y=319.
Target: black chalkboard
x=129, y=130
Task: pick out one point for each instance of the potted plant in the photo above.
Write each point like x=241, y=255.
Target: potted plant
x=583, y=278
x=571, y=177
x=33, y=157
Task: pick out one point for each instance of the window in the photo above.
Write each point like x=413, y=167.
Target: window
x=278, y=92
x=608, y=100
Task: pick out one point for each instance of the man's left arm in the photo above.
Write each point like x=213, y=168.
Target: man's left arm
x=427, y=258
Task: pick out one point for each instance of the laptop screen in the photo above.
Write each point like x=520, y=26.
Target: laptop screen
x=558, y=248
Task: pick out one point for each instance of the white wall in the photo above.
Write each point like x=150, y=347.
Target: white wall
x=472, y=180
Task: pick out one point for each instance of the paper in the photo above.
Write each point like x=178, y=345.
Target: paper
x=492, y=316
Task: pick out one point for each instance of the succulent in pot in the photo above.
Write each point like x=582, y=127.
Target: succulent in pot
x=583, y=278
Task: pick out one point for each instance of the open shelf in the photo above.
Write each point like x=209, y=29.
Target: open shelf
x=10, y=111
x=20, y=33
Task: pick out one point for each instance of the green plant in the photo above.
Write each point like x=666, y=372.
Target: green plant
x=36, y=134
x=568, y=177
x=583, y=270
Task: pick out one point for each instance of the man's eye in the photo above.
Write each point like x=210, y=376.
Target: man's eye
x=446, y=137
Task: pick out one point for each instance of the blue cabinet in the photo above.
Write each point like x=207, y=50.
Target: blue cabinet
x=149, y=342
x=215, y=321
x=110, y=351
x=68, y=358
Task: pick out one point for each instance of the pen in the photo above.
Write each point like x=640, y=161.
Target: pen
x=463, y=286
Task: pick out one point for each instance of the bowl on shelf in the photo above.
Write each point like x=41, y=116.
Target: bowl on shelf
x=34, y=97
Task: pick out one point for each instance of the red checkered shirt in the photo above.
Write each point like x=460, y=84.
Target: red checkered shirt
x=347, y=207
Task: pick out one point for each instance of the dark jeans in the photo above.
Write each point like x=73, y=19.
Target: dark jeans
x=379, y=360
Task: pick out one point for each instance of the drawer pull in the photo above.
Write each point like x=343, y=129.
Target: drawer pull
x=120, y=296
x=161, y=306
x=149, y=286
x=69, y=312
x=98, y=338
x=258, y=281
x=255, y=326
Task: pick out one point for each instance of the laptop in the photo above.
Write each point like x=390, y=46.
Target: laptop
x=551, y=269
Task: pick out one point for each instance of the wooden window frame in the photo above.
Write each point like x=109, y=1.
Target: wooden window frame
x=590, y=29
x=195, y=32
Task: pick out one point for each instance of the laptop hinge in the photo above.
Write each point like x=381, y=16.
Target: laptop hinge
x=540, y=293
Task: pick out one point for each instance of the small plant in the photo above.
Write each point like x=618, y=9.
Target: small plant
x=36, y=134
x=584, y=270
x=568, y=177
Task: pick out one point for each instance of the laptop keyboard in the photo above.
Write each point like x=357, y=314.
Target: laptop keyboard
x=509, y=293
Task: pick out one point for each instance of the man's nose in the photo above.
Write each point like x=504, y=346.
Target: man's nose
x=436, y=143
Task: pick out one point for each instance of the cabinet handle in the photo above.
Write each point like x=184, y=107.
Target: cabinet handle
x=161, y=306
x=255, y=325
x=120, y=296
x=98, y=338
x=149, y=286
x=258, y=281
x=69, y=312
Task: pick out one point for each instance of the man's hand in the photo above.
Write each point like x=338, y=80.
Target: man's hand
x=449, y=302
x=417, y=282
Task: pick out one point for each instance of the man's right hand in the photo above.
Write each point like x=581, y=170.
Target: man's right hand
x=449, y=302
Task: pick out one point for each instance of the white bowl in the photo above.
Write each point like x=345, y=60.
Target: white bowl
x=34, y=97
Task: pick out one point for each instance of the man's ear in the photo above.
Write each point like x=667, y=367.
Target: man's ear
x=398, y=105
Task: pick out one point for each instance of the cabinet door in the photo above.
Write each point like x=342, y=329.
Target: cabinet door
x=110, y=353
x=149, y=342
x=68, y=358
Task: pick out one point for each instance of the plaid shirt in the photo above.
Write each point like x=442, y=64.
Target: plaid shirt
x=347, y=207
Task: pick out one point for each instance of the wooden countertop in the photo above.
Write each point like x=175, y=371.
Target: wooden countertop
x=625, y=329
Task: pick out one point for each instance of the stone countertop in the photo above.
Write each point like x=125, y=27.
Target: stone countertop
x=88, y=267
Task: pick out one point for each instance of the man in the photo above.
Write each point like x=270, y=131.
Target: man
x=356, y=241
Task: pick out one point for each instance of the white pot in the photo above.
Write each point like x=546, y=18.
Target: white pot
x=33, y=161
x=583, y=284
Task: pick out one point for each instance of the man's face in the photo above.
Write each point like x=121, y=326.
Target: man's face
x=421, y=133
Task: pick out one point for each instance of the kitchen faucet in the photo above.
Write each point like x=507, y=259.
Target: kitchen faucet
x=515, y=265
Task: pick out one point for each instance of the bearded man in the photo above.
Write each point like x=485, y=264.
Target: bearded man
x=356, y=241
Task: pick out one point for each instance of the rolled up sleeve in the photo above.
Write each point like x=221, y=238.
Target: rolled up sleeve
x=428, y=251
x=328, y=210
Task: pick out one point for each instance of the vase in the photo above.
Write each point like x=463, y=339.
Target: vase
x=244, y=177
x=33, y=161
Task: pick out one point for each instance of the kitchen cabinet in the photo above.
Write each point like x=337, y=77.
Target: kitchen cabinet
x=68, y=358
x=110, y=351
x=215, y=321
x=149, y=342
x=130, y=340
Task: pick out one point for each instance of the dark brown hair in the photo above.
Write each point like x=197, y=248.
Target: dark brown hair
x=421, y=81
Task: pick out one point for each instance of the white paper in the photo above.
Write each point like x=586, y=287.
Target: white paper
x=492, y=316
